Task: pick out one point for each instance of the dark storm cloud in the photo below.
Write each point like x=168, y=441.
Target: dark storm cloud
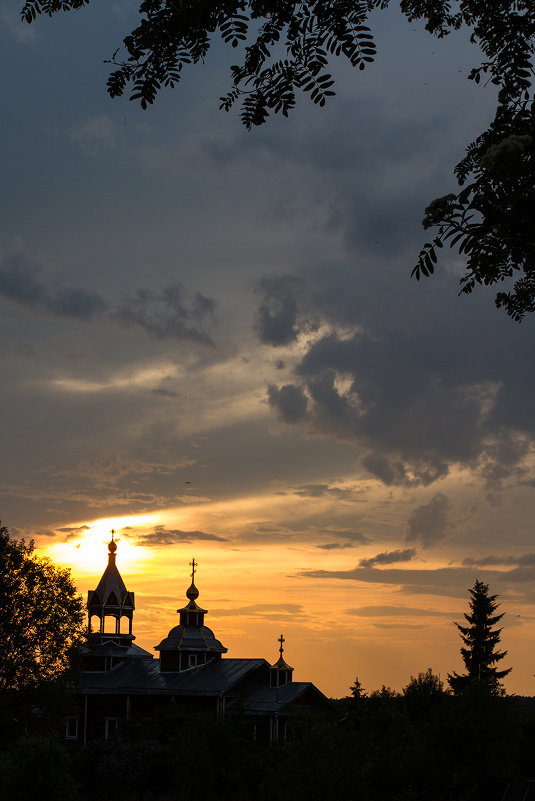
x=395, y=611
x=161, y=535
x=174, y=312
x=389, y=558
x=418, y=402
x=504, y=457
x=428, y=523
x=20, y=282
x=276, y=317
x=387, y=472
x=407, y=405
x=290, y=402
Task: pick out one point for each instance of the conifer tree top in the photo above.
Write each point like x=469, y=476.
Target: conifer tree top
x=480, y=641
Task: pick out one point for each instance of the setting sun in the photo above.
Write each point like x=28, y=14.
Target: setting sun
x=85, y=549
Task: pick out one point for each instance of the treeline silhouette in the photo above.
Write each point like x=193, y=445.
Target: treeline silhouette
x=423, y=744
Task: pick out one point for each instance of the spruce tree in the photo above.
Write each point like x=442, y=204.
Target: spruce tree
x=480, y=639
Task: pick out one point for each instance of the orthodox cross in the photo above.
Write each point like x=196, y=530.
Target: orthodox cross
x=112, y=533
x=281, y=640
x=193, y=565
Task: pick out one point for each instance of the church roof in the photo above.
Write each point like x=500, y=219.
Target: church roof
x=298, y=694
x=144, y=677
x=111, y=648
x=111, y=590
x=244, y=682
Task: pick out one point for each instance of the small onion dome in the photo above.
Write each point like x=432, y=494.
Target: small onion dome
x=112, y=546
x=280, y=664
x=280, y=673
x=192, y=593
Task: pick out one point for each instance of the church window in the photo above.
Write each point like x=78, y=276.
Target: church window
x=71, y=728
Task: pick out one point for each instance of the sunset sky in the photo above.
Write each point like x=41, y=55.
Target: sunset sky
x=211, y=343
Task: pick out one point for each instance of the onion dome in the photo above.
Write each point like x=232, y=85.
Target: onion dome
x=191, y=643
x=280, y=673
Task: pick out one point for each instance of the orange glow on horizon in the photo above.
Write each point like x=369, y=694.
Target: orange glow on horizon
x=256, y=587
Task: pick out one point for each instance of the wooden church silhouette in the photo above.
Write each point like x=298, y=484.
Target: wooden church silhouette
x=120, y=680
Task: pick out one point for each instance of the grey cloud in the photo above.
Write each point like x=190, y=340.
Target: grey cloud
x=503, y=457
x=522, y=574
x=290, y=402
x=428, y=523
x=165, y=393
x=332, y=546
x=386, y=471
x=163, y=536
x=95, y=134
x=407, y=407
x=322, y=491
x=413, y=422
x=174, y=312
x=73, y=531
x=395, y=611
x=391, y=472
x=447, y=581
x=389, y=558
x=527, y=559
x=398, y=625
x=27, y=351
x=269, y=611
x=276, y=317
x=451, y=582
x=20, y=282
x=417, y=400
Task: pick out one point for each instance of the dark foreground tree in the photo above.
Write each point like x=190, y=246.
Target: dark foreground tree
x=480, y=638
x=285, y=47
x=41, y=616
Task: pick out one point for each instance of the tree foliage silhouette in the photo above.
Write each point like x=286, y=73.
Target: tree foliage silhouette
x=480, y=640
x=41, y=616
x=490, y=221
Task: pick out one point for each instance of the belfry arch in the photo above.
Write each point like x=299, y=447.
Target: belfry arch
x=111, y=604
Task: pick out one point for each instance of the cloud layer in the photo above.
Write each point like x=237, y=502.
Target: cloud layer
x=174, y=312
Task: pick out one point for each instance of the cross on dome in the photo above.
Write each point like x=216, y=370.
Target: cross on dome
x=112, y=545
x=192, y=593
